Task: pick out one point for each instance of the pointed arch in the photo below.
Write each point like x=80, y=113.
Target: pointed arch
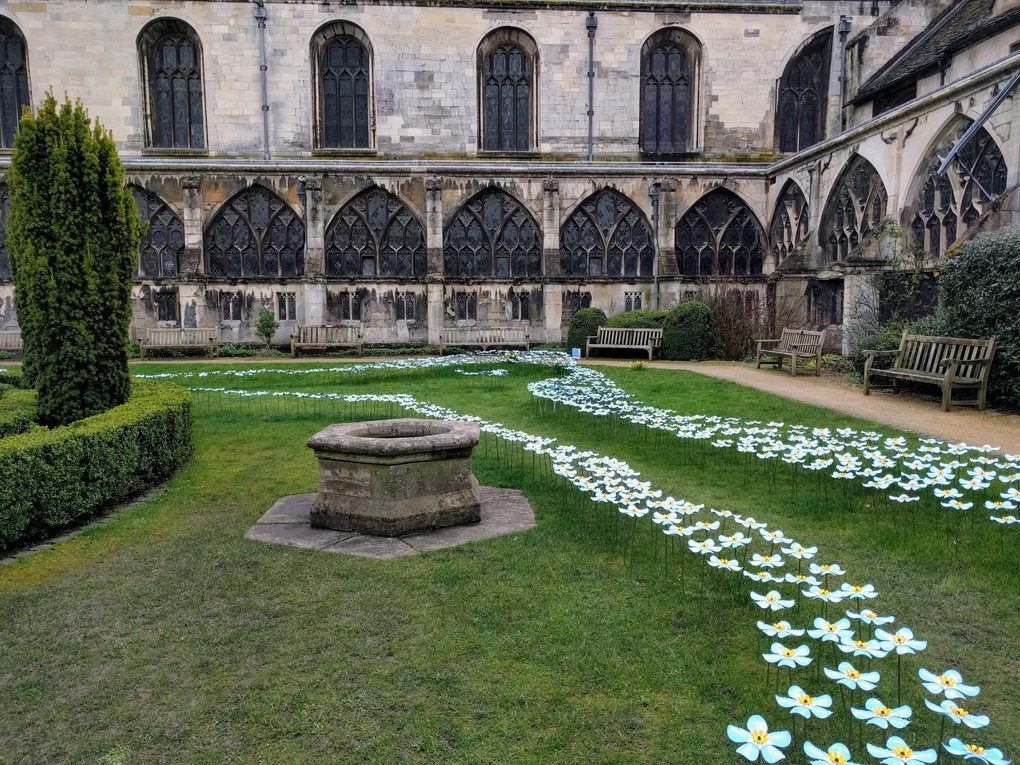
x=507, y=84
x=803, y=95
x=170, y=54
x=14, y=92
x=255, y=233
x=492, y=235
x=376, y=235
x=163, y=244
x=720, y=236
x=789, y=222
x=343, y=87
x=856, y=204
x=942, y=209
x=670, y=62
x=606, y=235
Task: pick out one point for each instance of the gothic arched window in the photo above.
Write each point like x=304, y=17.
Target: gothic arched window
x=163, y=244
x=946, y=207
x=803, y=94
x=857, y=203
x=13, y=81
x=720, y=236
x=376, y=234
x=607, y=235
x=665, y=98
x=5, y=209
x=507, y=87
x=172, y=65
x=492, y=235
x=255, y=234
x=342, y=59
x=789, y=222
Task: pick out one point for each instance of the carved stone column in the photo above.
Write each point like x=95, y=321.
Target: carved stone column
x=315, y=228
x=551, y=227
x=192, y=262
x=667, y=229
x=434, y=226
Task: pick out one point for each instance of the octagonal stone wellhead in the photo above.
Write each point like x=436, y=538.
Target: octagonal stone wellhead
x=395, y=477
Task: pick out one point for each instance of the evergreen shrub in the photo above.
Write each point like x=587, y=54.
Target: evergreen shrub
x=51, y=477
x=13, y=376
x=72, y=234
x=637, y=320
x=979, y=295
x=18, y=410
x=688, y=334
x=585, y=323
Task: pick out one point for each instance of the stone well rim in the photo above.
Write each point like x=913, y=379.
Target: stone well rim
x=385, y=438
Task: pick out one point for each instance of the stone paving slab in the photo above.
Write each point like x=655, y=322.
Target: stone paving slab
x=287, y=523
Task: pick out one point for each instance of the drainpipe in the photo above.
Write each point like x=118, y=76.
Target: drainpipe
x=260, y=17
x=591, y=23
x=653, y=192
x=844, y=31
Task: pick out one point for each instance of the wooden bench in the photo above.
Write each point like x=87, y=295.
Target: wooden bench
x=344, y=336
x=648, y=340
x=949, y=362
x=794, y=344
x=200, y=337
x=484, y=337
x=10, y=340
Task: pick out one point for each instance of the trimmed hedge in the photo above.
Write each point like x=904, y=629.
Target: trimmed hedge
x=12, y=376
x=688, y=334
x=585, y=323
x=638, y=320
x=49, y=478
x=19, y=410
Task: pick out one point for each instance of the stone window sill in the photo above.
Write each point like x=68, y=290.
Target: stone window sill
x=344, y=153
x=509, y=155
x=154, y=151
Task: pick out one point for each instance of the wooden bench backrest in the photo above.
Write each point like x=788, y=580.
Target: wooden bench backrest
x=924, y=353
x=486, y=335
x=806, y=342
x=176, y=337
x=623, y=337
x=10, y=339
x=342, y=335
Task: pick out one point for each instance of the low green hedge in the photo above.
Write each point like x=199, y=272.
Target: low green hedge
x=18, y=410
x=49, y=478
x=12, y=376
x=638, y=320
x=585, y=323
x=688, y=333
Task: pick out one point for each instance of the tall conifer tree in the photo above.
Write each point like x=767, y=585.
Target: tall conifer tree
x=73, y=235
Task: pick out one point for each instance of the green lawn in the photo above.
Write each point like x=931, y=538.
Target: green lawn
x=164, y=636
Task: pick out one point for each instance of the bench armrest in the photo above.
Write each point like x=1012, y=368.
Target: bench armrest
x=763, y=342
x=880, y=353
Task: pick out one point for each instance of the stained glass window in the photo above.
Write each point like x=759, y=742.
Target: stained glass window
x=607, y=235
x=13, y=81
x=343, y=76
x=789, y=222
x=163, y=244
x=720, y=236
x=255, y=234
x=857, y=203
x=376, y=234
x=803, y=94
x=506, y=93
x=493, y=235
x=665, y=99
x=175, y=79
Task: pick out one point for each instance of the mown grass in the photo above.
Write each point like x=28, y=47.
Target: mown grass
x=164, y=636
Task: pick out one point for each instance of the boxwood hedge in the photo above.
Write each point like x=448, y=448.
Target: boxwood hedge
x=49, y=478
x=18, y=410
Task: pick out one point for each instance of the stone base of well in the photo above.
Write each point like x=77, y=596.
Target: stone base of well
x=392, y=478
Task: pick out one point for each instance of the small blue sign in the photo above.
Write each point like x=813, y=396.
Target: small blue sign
x=576, y=353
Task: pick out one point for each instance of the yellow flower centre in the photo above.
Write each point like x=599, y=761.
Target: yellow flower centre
x=853, y=673
x=903, y=752
x=765, y=575
x=900, y=639
x=948, y=681
x=975, y=749
x=770, y=598
x=802, y=577
x=957, y=711
x=830, y=627
x=778, y=626
x=759, y=736
x=837, y=759
x=824, y=592
x=861, y=643
x=883, y=711
x=798, y=548
x=826, y=568
x=857, y=588
x=724, y=561
x=806, y=700
x=869, y=614
x=788, y=653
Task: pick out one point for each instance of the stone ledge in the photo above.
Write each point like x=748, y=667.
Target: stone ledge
x=287, y=523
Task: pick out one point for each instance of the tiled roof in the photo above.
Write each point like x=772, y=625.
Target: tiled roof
x=960, y=25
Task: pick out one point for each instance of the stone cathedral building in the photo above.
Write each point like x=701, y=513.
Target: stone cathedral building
x=409, y=165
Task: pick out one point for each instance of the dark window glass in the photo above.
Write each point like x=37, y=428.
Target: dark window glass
x=5, y=209
x=13, y=82
x=720, y=236
x=230, y=306
x=803, y=94
x=166, y=306
x=176, y=93
x=255, y=234
x=607, y=235
x=163, y=244
x=856, y=204
x=506, y=92
x=789, y=223
x=286, y=306
x=665, y=99
x=343, y=75
x=375, y=234
x=492, y=236
x=578, y=300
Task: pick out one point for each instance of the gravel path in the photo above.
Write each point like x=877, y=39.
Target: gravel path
x=905, y=412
